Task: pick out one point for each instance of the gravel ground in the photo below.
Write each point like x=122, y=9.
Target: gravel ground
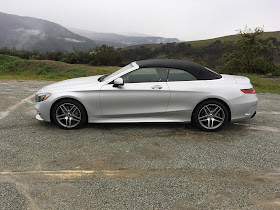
x=135, y=166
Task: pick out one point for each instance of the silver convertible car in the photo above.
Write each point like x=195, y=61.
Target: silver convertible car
x=159, y=90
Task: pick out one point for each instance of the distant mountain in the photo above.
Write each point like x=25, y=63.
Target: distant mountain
x=135, y=34
x=118, y=40
x=35, y=34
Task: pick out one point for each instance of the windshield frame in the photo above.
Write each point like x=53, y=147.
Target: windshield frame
x=120, y=72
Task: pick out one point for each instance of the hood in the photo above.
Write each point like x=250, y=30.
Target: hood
x=75, y=84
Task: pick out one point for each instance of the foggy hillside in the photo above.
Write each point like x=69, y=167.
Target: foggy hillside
x=36, y=34
x=118, y=40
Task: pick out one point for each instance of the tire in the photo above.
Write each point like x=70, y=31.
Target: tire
x=210, y=115
x=69, y=114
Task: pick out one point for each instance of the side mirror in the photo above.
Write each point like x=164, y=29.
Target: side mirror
x=118, y=82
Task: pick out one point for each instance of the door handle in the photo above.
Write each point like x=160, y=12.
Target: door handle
x=157, y=87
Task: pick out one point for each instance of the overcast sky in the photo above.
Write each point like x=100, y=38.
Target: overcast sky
x=183, y=19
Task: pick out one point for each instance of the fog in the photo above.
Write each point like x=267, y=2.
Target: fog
x=183, y=19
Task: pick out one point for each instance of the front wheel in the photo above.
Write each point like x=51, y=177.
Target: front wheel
x=210, y=115
x=69, y=114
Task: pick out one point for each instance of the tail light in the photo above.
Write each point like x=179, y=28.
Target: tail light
x=249, y=91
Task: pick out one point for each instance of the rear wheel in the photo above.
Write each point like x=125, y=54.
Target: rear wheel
x=69, y=114
x=210, y=115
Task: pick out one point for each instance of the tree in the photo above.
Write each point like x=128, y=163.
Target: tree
x=249, y=55
x=106, y=56
x=213, y=54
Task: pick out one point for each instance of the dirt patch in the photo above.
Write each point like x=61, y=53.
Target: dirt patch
x=269, y=202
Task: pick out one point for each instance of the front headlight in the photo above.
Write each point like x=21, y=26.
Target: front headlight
x=42, y=97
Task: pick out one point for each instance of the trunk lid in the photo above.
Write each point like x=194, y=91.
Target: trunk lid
x=237, y=79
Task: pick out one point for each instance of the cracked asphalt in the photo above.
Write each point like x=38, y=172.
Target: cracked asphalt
x=135, y=166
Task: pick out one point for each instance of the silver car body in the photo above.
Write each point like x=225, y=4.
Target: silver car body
x=148, y=102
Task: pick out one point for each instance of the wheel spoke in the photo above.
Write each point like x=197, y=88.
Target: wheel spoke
x=72, y=108
x=208, y=122
x=66, y=121
x=217, y=117
x=212, y=123
x=219, y=120
x=77, y=120
x=61, y=116
x=72, y=112
x=203, y=117
x=76, y=117
x=216, y=110
x=206, y=110
x=63, y=109
x=204, y=120
x=70, y=118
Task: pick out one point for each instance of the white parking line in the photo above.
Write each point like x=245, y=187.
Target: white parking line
x=68, y=174
x=11, y=108
x=268, y=113
x=259, y=127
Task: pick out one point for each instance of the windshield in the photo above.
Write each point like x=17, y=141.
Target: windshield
x=108, y=77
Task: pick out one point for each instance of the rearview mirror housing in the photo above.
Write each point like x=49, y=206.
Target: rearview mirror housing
x=118, y=82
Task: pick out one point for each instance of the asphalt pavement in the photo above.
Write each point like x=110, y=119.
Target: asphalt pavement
x=135, y=166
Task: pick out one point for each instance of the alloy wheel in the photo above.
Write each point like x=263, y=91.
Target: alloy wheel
x=68, y=115
x=211, y=116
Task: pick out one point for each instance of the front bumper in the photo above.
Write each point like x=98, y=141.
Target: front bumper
x=38, y=117
x=43, y=110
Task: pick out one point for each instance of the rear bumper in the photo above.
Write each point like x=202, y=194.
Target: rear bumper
x=244, y=107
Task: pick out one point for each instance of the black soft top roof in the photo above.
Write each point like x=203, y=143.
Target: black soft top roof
x=199, y=71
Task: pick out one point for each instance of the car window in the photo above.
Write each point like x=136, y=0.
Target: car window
x=180, y=75
x=146, y=75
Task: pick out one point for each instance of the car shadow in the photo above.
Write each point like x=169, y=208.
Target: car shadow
x=109, y=126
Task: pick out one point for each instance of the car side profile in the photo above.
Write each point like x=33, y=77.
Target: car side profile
x=157, y=90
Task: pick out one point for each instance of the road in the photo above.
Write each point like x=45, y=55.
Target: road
x=135, y=166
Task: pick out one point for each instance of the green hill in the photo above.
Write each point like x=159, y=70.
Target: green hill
x=206, y=42
x=202, y=43
x=16, y=68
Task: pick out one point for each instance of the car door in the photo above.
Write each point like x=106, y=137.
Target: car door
x=143, y=95
x=185, y=92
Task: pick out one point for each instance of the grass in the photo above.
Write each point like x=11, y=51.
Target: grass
x=17, y=68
